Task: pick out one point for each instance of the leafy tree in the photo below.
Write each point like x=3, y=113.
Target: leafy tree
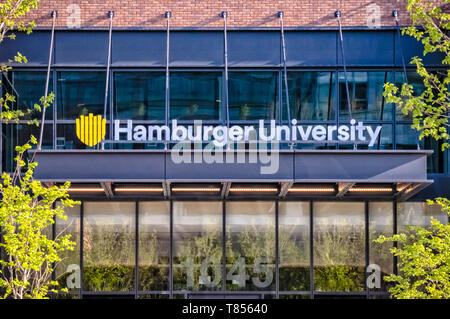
x=424, y=253
x=29, y=254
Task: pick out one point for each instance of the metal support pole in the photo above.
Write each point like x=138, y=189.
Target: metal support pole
x=286, y=88
x=50, y=55
x=405, y=74
x=108, y=66
x=337, y=15
x=224, y=15
x=168, y=15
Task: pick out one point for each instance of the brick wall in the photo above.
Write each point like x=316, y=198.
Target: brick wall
x=206, y=13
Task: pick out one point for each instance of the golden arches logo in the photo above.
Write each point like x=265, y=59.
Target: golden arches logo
x=91, y=129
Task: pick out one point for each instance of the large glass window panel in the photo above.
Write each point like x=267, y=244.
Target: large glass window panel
x=416, y=81
x=407, y=137
x=381, y=222
x=250, y=246
x=339, y=246
x=252, y=95
x=154, y=245
x=293, y=243
x=68, y=271
x=139, y=95
x=30, y=87
x=19, y=134
x=80, y=93
x=417, y=214
x=195, y=95
x=197, y=244
x=109, y=246
x=66, y=137
x=366, y=95
x=311, y=96
x=384, y=140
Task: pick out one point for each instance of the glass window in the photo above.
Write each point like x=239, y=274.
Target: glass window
x=250, y=253
x=19, y=134
x=381, y=222
x=80, y=93
x=311, y=96
x=252, y=96
x=154, y=245
x=109, y=246
x=139, y=95
x=339, y=246
x=366, y=95
x=66, y=137
x=384, y=140
x=195, y=95
x=68, y=272
x=197, y=236
x=30, y=87
x=417, y=214
x=418, y=87
x=407, y=137
x=293, y=243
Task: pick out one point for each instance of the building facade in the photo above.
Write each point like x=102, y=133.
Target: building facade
x=316, y=165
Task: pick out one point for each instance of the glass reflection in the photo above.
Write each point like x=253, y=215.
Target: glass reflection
x=366, y=95
x=195, y=95
x=109, y=246
x=339, y=246
x=197, y=236
x=154, y=244
x=381, y=222
x=417, y=214
x=293, y=243
x=80, y=93
x=139, y=95
x=252, y=95
x=68, y=272
x=30, y=87
x=250, y=246
x=311, y=96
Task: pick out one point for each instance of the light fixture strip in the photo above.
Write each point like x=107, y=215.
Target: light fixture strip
x=136, y=189
x=312, y=190
x=370, y=190
x=255, y=190
x=195, y=189
x=87, y=190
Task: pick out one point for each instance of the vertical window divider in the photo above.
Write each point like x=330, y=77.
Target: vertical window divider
x=224, y=247
x=367, y=244
x=81, y=247
x=394, y=203
x=136, y=251
x=55, y=110
x=171, y=252
x=311, y=247
x=277, y=266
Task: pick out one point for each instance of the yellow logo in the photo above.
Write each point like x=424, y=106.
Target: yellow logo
x=91, y=129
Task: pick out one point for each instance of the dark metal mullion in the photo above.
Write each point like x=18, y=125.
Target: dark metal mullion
x=55, y=109
x=367, y=243
x=81, y=247
x=224, y=247
x=394, y=203
x=167, y=92
x=136, y=250
x=171, y=252
x=311, y=247
x=277, y=257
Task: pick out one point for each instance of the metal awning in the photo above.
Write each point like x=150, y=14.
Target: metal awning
x=345, y=171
